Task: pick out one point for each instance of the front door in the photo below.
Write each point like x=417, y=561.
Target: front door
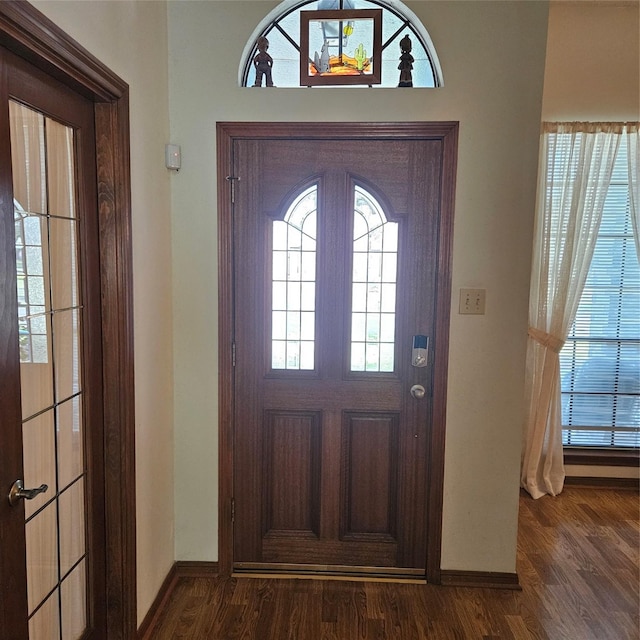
x=53, y=519
x=340, y=272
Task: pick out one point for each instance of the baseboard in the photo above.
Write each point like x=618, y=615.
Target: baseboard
x=604, y=483
x=196, y=569
x=147, y=625
x=179, y=570
x=480, y=579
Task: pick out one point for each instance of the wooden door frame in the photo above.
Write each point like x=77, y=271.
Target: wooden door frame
x=227, y=133
x=28, y=33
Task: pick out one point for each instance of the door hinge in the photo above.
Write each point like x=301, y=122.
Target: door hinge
x=233, y=354
x=232, y=180
x=233, y=510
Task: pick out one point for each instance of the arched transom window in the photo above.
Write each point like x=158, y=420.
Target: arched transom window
x=282, y=30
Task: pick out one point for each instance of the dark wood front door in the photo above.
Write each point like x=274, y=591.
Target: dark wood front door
x=340, y=272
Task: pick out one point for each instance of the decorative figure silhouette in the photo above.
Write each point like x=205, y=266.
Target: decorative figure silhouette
x=321, y=61
x=406, y=63
x=263, y=63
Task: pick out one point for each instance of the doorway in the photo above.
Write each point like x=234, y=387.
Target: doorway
x=336, y=316
x=65, y=281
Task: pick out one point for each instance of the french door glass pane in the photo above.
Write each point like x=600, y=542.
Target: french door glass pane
x=66, y=348
x=73, y=595
x=39, y=453
x=69, y=440
x=373, y=295
x=50, y=320
x=293, y=290
x=42, y=555
x=44, y=624
x=71, y=514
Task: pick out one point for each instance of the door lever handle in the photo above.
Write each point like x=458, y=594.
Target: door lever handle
x=18, y=492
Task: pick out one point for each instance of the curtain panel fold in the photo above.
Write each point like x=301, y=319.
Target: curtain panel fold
x=575, y=167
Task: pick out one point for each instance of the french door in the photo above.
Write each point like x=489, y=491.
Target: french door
x=53, y=519
x=339, y=338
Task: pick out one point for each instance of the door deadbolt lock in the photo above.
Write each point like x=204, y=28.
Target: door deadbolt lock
x=420, y=351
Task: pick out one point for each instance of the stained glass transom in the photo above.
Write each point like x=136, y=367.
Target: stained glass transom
x=282, y=30
x=293, y=299
x=373, y=304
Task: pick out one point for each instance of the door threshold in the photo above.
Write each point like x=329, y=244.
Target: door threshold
x=324, y=572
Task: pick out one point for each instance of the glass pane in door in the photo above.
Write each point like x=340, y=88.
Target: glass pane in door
x=293, y=273
x=50, y=320
x=373, y=301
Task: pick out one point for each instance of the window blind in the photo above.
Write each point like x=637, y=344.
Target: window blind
x=600, y=362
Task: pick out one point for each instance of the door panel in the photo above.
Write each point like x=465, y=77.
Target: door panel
x=52, y=264
x=370, y=479
x=331, y=450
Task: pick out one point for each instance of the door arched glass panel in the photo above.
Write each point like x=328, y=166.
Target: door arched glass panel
x=373, y=299
x=293, y=301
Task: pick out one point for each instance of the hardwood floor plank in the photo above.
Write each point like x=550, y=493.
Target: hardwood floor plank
x=521, y=630
x=578, y=565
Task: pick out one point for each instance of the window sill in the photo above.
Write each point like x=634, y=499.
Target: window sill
x=601, y=457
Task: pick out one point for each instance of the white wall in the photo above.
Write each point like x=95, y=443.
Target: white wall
x=131, y=39
x=593, y=62
x=492, y=56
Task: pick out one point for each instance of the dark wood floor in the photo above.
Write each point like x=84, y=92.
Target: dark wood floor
x=577, y=564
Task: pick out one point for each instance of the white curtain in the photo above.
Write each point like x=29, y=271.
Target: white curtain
x=633, y=147
x=576, y=162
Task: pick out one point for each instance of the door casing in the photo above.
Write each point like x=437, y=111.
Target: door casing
x=26, y=32
x=227, y=132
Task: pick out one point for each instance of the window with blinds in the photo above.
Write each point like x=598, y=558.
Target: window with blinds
x=600, y=362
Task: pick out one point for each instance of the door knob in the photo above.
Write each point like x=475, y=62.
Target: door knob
x=18, y=492
x=417, y=391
